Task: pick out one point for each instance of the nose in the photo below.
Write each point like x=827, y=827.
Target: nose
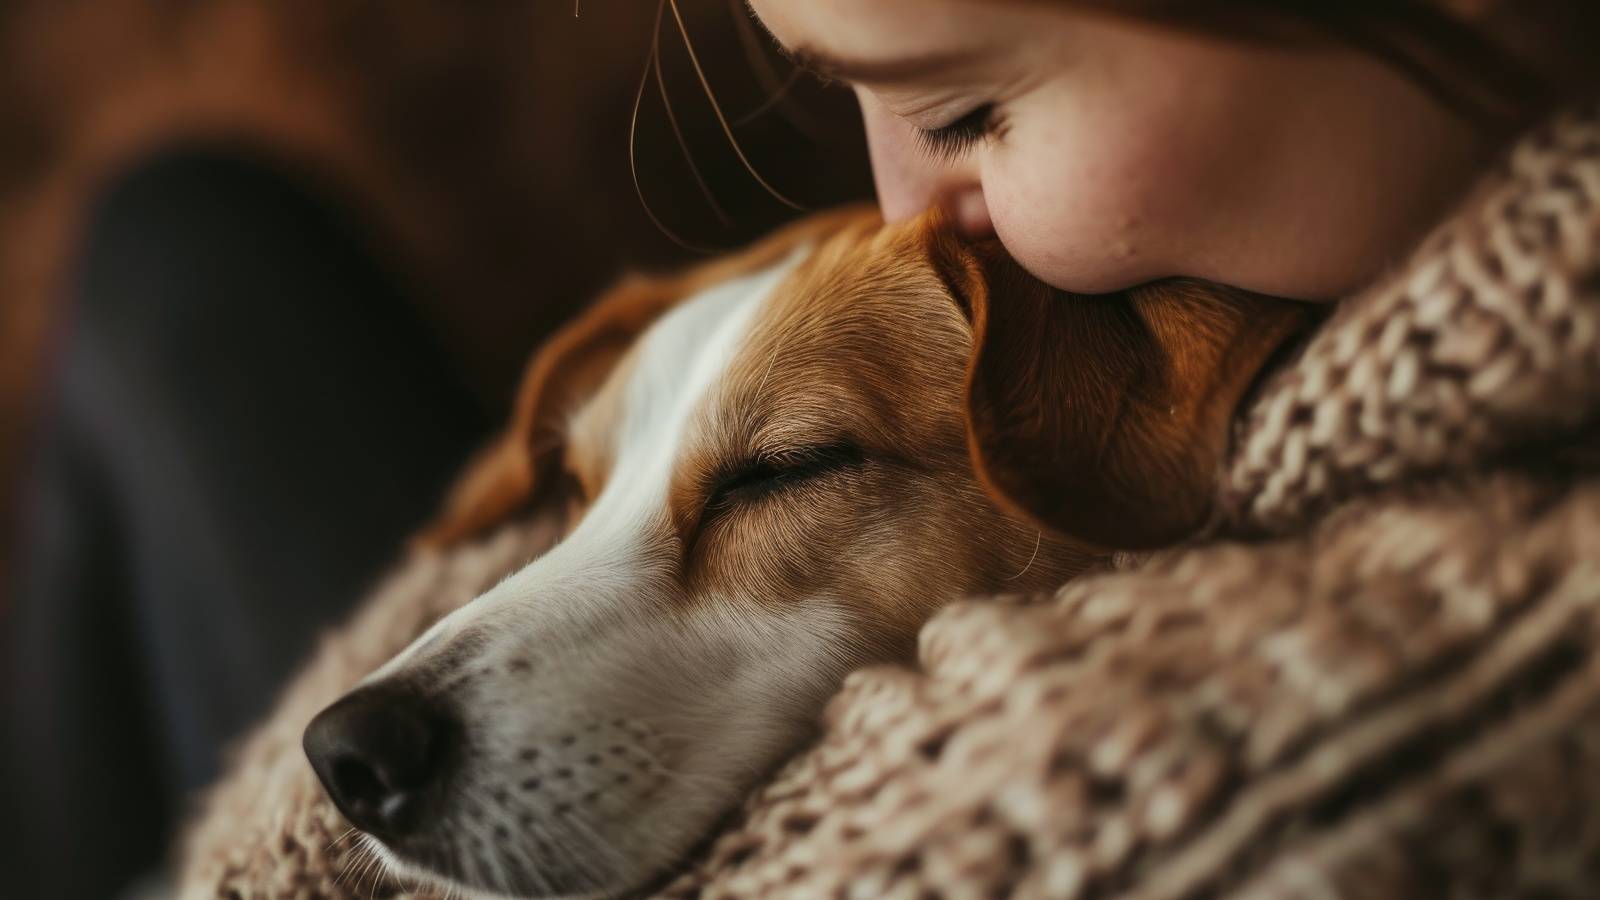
x=909, y=180
x=378, y=751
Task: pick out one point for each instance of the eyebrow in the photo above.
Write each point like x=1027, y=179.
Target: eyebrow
x=885, y=71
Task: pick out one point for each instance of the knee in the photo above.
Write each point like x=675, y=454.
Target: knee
x=205, y=241
x=210, y=258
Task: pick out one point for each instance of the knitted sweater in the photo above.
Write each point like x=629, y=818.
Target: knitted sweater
x=1376, y=675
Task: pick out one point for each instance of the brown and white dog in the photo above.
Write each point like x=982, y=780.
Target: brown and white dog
x=777, y=466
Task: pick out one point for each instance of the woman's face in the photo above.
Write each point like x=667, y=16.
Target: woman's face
x=1106, y=152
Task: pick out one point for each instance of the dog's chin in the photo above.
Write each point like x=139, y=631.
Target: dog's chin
x=500, y=864
x=491, y=876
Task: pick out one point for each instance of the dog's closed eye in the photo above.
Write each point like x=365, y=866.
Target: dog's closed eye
x=766, y=475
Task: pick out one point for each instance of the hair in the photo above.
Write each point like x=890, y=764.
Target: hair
x=1501, y=65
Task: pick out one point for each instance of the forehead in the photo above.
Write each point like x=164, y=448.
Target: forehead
x=904, y=32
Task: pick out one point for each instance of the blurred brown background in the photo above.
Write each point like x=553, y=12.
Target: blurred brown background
x=485, y=142
x=483, y=147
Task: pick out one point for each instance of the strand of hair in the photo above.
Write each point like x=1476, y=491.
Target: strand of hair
x=777, y=88
x=716, y=108
x=677, y=132
x=633, y=145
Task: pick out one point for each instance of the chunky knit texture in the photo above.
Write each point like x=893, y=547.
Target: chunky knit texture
x=1489, y=340
x=268, y=830
x=1378, y=675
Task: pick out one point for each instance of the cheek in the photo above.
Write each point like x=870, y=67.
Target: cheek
x=1098, y=189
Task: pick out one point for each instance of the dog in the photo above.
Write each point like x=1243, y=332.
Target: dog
x=775, y=468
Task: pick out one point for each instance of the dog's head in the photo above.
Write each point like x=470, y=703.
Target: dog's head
x=770, y=471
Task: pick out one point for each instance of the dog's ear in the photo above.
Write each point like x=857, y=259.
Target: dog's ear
x=510, y=473
x=1106, y=417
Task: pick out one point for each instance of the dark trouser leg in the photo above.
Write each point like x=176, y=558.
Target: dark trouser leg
x=247, y=419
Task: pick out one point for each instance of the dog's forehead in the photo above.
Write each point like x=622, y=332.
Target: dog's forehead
x=864, y=344
x=640, y=415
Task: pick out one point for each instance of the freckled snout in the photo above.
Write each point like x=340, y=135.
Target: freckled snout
x=382, y=753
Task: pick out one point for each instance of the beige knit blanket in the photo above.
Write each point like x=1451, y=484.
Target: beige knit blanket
x=1378, y=675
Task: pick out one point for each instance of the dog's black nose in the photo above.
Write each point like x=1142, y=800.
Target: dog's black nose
x=378, y=752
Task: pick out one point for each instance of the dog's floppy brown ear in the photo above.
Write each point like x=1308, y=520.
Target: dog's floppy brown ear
x=508, y=474
x=1106, y=417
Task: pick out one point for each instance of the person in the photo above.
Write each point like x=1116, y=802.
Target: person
x=1306, y=697
x=1295, y=152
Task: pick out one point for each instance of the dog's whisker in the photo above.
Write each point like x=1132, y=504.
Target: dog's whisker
x=344, y=868
x=1037, y=542
x=349, y=832
x=381, y=872
x=359, y=858
x=414, y=882
x=372, y=873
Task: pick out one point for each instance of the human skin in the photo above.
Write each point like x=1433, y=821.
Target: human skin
x=1118, y=152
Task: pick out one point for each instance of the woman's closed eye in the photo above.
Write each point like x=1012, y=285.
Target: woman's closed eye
x=950, y=142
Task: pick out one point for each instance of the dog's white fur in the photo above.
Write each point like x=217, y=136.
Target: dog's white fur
x=583, y=656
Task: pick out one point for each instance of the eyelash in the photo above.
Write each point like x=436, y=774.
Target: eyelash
x=768, y=476
x=948, y=143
